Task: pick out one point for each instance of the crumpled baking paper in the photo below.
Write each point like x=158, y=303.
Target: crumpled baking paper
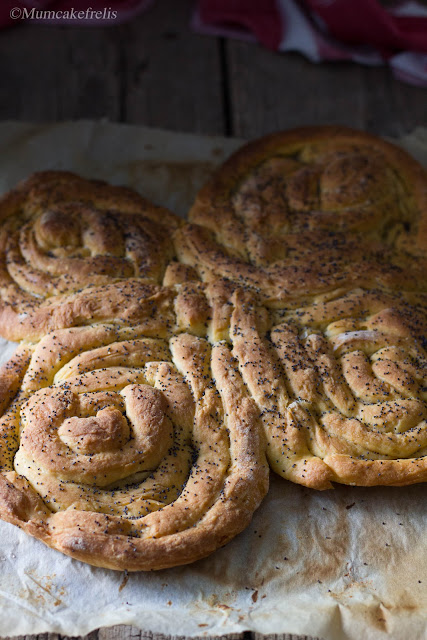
x=348, y=563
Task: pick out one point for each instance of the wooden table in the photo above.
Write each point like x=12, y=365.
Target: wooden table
x=155, y=71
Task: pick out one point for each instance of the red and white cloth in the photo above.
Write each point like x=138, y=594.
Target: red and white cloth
x=359, y=30
x=363, y=31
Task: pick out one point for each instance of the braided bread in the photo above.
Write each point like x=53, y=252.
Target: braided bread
x=132, y=448
x=60, y=233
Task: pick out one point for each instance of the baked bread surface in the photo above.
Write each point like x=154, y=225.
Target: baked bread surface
x=310, y=210
x=341, y=387
x=60, y=233
x=138, y=438
x=133, y=448
x=329, y=226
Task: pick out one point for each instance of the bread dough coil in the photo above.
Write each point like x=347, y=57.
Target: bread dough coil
x=60, y=234
x=131, y=448
x=307, y=211
x=167, y=364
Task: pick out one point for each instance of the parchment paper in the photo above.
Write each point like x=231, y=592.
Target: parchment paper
x=345, y=563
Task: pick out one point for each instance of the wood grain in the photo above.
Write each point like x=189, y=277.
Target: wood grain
x=59, y=73
x=391, y=107
x=172, y=75
x=271, y=91
x=285, y=636
x=122, y=632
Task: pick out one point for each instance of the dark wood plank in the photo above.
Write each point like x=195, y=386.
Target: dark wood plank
x=122, y=632
x=392, y=107
x=411, y=104
x=173, y=75
x=56, y=636
x=59, y=73
x=125, y=632
x=286, y=636
x=153, y=71
x=271, y=91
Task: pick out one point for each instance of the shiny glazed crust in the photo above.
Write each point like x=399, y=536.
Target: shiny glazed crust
x=60, y=233
x=310, y=210
x=133, y=448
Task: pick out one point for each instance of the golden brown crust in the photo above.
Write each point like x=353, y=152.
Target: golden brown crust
x=311, y=210
x=341, y=387
x=60, y=233
x=127, y=302
x=137, y=447
x=329, y=226
x=138, y=438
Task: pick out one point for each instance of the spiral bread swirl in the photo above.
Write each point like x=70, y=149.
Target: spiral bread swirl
x=329, y=226
x=130, y=448
x=136, y=432
x=308, y=211
x=61, y=233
